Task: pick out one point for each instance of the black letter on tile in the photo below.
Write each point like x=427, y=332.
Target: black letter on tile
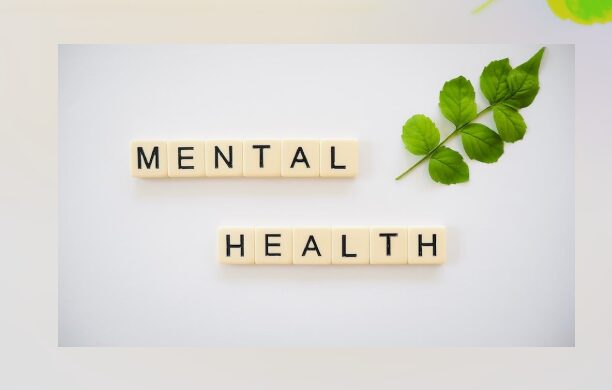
x=218, y=153
x=154, y=155
x=181, y=157
x=333, y=160
x=388, y=236
x=269, y=244
x=229, y=246
x=308, y=248
x=344, y=254
x=261, y=153
x=303, y=159
x=422, y=244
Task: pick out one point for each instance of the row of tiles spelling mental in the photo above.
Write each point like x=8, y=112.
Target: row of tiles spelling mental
x=337, y=245
x=251, y=158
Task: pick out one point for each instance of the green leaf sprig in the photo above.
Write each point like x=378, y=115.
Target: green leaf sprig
x=507, y=91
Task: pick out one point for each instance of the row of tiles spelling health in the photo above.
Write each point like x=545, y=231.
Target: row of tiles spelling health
x=336, y=245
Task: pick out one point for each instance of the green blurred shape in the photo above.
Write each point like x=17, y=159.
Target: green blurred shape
x=583, y=11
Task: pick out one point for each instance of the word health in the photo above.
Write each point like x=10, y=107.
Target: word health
x=336, y=245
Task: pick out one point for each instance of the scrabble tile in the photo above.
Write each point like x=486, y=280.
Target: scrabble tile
x=388, y=245
x=149, y=159
x=223, y=158
x=273, y=245
x=350, y=245
x=262, y=158
x=186, y=159
x=312, y=246
x=426, y=245
x=300, y=158
x=339, y=158
x=236, y=245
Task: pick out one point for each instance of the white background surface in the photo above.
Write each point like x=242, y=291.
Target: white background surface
x=138, y=258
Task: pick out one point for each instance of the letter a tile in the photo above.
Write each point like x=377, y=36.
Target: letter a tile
x=312, y=246
x=300, y=158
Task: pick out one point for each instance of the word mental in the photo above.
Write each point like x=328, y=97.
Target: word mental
x=253, y=158
x=338, y=245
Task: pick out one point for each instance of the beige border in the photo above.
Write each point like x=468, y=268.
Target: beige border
x=30, y=33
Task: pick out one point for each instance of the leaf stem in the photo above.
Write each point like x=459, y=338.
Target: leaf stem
x=451, y=135
x=482, y=6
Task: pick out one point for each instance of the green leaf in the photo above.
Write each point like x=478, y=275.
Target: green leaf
x=493, y=80
x=457, y=101
x=523, y=82
x=506, y=89
x=420, y=135
x=447, y=167
x=481, y=143
x=509, y=122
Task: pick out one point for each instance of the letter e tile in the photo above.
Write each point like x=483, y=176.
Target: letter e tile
x=273, y=245
x=186, y=159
